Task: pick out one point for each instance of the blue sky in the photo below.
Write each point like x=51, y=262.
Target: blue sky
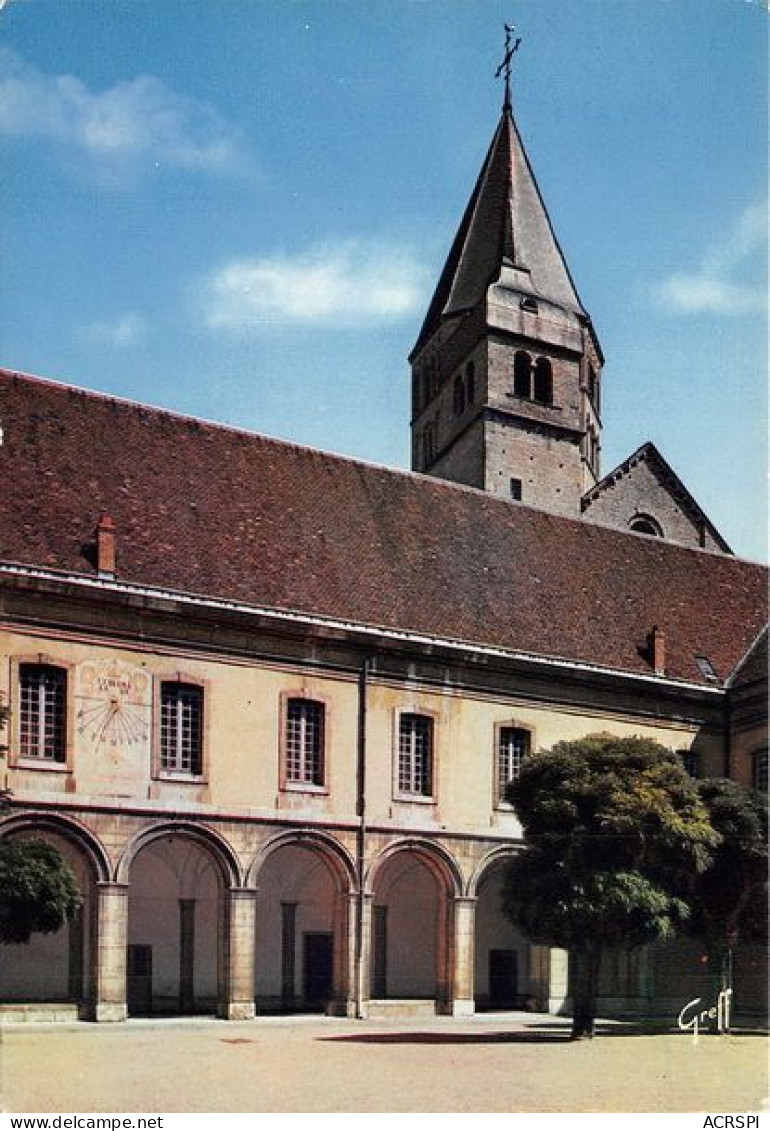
x=239, y=208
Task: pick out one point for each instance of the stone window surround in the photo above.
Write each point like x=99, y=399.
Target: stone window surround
x=504, y=724
x=15, y=760
x=179, y=776
x=642, y=517
x=398, y=794
x=284, y=783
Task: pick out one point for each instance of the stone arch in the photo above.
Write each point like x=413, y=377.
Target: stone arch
x=647, y=524
x=436, y=857
x=510, y=972
x=178, y=874
x=494, y=858
x=413, y=885
x=338, y=856
x=58, y=969
x=226, y=859
x=69, y=829
x=305, y=887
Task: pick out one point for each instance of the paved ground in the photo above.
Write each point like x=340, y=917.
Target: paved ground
x=492, y=1064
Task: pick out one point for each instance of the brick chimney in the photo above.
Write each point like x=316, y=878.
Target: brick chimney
x=105, y=546
x=657, y=640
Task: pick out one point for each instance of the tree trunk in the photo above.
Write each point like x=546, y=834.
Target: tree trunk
x=585, y=981
x=720, y=970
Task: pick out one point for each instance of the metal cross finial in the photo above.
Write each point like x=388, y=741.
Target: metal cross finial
x=511, y=46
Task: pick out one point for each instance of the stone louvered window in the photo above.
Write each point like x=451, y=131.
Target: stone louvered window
x=532, y=380
x=522, y=374
x=305, y=762
x=42, y=712
x=181, y=728
x=593, y=386
x=459, y=396
x=512, y=748
x=415, y=755
x=543, y=381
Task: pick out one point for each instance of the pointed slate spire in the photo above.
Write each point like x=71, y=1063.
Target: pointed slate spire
x=505, y=237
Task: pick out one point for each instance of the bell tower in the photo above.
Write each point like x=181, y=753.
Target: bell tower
x=506, y=371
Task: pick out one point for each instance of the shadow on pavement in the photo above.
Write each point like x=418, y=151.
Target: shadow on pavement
x=447, y=1038
x=540, y=1035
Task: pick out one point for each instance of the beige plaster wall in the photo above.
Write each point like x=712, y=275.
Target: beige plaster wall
x=243, y=742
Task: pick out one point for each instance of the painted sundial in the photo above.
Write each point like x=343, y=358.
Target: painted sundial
x=113, y=705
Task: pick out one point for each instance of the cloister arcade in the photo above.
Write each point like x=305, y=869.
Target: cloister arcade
x=175, y=921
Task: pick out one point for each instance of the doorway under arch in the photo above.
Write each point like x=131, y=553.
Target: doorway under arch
x=508, y=970
x=175, y=906
x=301, y=960
x=410, y=928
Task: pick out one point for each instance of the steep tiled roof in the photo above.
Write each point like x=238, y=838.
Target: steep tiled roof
x=213, y=511
x=753, y=667
x=505, y=223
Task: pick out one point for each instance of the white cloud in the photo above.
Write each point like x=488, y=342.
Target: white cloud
x=725, y=282
x=140, y=121
x=349, y=283
x=128, y=329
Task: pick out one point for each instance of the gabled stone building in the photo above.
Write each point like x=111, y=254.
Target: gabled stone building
x=267, y=699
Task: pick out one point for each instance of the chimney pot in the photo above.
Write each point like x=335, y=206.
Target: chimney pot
x=105, y=546
x=658, y=650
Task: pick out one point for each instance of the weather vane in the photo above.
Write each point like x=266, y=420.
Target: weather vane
x=511, y=47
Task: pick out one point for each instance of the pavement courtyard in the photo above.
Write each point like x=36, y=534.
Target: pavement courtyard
x=504, y=1063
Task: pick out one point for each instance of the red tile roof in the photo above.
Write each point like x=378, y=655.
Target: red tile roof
x=217, y=512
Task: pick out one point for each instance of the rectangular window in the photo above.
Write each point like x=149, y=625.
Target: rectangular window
x=305, y=742
x=759, y=770
x=181, y=728
x=512, y=749
x=415, y=755
x=42, y=712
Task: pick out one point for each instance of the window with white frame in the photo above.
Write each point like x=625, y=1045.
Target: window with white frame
x=512, y=748
x=42, y=712
x=304, y=754
x=181, y=728
x=415, y=755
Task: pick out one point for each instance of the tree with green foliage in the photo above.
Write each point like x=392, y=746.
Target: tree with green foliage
x=729, y=903
x=615, y=833
x=38, y=892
